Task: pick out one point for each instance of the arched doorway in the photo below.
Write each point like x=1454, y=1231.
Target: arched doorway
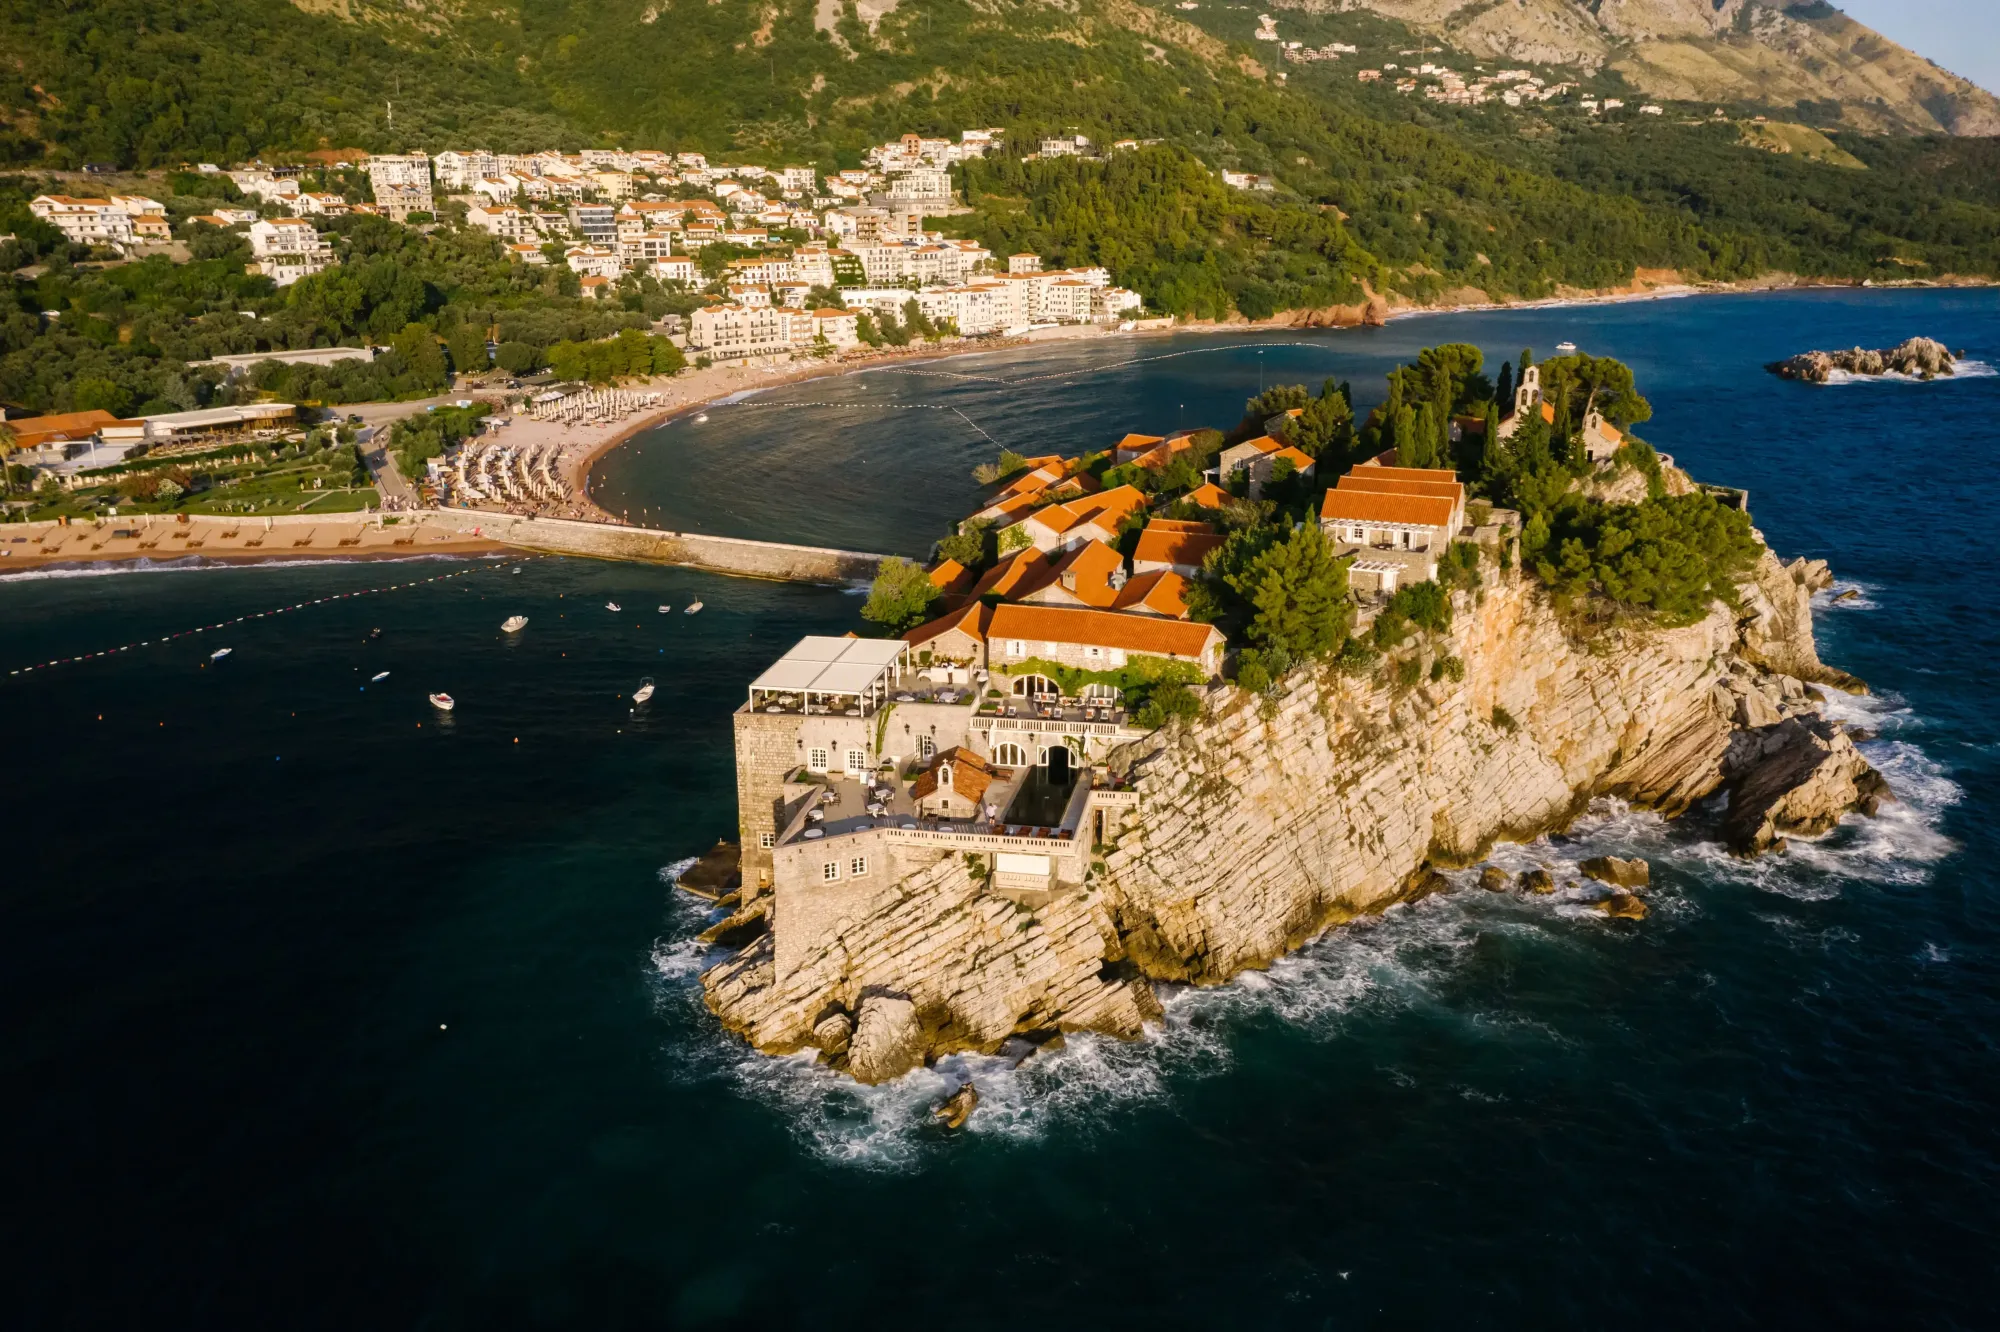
x=1057, y=759
x=1034, y=686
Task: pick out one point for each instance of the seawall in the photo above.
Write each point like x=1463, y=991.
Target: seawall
x=717, y=554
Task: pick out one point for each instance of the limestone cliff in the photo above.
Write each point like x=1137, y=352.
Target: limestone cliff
x=1269, y=820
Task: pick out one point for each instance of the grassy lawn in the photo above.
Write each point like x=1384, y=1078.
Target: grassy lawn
x=254, y=481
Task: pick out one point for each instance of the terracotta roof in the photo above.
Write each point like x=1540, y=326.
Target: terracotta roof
x=1263, y=444
x=1012, y=508
x=1095, y=628
x=1300, y=461
x=1396, y=485
x=33, y=430
x=969, y=775
x=1139, y=443
x=1367, y=506
x=951, y=576
x=1408, y=473
x=1107, y=508
x=971, y=620
x=1017, y=575
x=1085, y=573
x=1160, y=593
x=1207, y=495
x=1168, y=542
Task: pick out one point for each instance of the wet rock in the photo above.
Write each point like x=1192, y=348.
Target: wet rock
x=1849, y=595
x=1427, y=881
x=1017, y=1050
x=1812, y=575
x=958, y=1107
x=739, y=928
x=1494, y=879
x=1538, y=881
x=716, y=874
x=1618, y=871
x=833, y=1032
x=1799, y=778
x=1621, y=906
x=888, y=1040
x=1924, y=358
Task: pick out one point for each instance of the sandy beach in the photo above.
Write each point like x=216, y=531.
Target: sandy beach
x=348, y=536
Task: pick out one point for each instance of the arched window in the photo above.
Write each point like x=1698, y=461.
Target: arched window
x=1100, y=693
x=1010, y=755
x=1033, y=686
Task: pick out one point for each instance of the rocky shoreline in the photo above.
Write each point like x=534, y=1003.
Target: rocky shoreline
x=1270, y=820
x=1917, y=358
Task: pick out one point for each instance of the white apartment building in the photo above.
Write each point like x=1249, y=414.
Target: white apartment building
x=674, y=268
x=503, y=220
x=319, y=205
x=262, y=183
x=460, y=170
x=733, y=332
x=149, y=218
x=287, y=249
x=921, y=185
x=85, y=221
x=594, y=261
x=798, y=178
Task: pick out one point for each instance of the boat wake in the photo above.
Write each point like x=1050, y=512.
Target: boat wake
x=1411, y=957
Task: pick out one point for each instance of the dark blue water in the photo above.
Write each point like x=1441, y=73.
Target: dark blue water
x=321, y=1013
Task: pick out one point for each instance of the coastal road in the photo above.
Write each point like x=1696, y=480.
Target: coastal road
x=382, y=469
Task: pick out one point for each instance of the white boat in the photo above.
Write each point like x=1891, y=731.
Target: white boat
x=517, y=568
x=220, y=653
x=443, y=702
x=1565, y=349
x=693, y=606
x=613, y=606
x=645, y=690
x=513, y=624
x=665, y=609
x=701, y=418
x=378, y=677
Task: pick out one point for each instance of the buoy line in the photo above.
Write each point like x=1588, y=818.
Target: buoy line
x=260, y=615
x=1099, y=369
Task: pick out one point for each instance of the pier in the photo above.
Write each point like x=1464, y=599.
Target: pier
x=616, y=541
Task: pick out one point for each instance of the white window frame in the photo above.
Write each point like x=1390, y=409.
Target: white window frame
x=830, y=872
x=767, y=840
x=857, y=866
x=816, y=760
x=926, y=747
x=1016, y=648
x=857, y=760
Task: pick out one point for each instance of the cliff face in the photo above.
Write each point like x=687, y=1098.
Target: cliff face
x=1270, y=820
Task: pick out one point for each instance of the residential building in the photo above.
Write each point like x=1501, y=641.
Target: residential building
x=1094, y=640
x=310, y=204
x=594, y=261
x=594, y=287
x=733, y=332
x=597, y=224
x=149, y=218
x=1249, y=180
x=287, y=249
x=674, y=268
x=1087, y=518
x=526, y=252
x=401, y=183
x=85, y=221
x=1174, y=546
x=456, y=170
x=503, y=220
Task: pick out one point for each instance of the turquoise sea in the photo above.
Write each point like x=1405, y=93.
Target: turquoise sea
x=325, y=1011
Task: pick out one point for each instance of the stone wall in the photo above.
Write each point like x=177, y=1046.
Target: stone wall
x=609, y=541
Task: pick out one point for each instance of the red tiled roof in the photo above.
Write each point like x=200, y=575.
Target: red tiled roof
x=1017, y=575
x=971, y=620
x=1161, y=593
x=1396, y=485
x=1107, y=508
x=1168, y=542
x=1096, y=628
x=969, y=775
x=951, y=576
x=1300, y=461
x=1367, y=506
x=1208, y=495
x=1408, y=473
x=1085, y=573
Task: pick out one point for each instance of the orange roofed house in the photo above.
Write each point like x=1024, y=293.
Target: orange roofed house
x=953, y=785
x=1061, y=527
x=1174, y=545
x=1256, y=460
x=1394, y=521
x=1007, y=636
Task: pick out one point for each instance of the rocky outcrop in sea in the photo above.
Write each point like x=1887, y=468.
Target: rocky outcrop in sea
x=1919, y=358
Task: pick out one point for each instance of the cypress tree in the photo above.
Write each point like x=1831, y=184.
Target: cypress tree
x=1503, y=392
x=1406, y=439
x=1527, y=359
x=1489, y=445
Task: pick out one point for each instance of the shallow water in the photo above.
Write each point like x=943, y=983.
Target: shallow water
x=327, y=1011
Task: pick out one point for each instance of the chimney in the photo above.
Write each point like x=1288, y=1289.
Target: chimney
x=1069, y=580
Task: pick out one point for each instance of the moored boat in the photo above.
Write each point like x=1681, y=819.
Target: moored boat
x=220, y=653
x=613, y=606
x=645, y=690
x=693, y=606
x=443, y=702
x=378, y=677
x=513, y=624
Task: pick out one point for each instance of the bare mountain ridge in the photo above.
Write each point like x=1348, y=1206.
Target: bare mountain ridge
x=1711, y=50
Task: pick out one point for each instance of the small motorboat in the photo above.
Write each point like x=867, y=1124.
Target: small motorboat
x=693, y=606
x=613, y=606
x=220, y=653
x=699, y=419
x=513, y=624
x=645, y=690
x=1565, y=349
x=517, y=568
x=665, y=609
x=374, y=634
x=378, y=677
x=443, y=702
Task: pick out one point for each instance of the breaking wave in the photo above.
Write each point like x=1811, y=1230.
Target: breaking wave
x=1959, y=370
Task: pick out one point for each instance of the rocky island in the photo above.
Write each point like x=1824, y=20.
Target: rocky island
x=969, y=838
x=1918, y=358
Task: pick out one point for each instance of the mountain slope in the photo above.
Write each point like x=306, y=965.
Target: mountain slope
x=1726, y=51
